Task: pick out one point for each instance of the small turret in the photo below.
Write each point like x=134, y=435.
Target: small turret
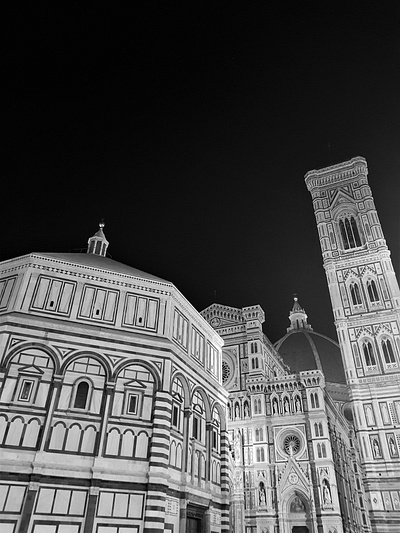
x=298, y=317
x=98, y=244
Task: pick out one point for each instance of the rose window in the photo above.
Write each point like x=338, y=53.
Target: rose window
x=291, y=444
x=226, y=371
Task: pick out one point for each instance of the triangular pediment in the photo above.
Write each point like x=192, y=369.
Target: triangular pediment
x=293, y=476
x=341, y=198
x=31, y=370
x=135, y=384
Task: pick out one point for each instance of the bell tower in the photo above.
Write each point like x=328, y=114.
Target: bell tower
x=366, y=307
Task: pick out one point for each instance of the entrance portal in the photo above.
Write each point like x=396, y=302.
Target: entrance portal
x=300, y=529
x=193, y=525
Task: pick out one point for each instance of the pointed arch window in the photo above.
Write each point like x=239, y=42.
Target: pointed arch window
x=369, y=356
x=260, y=455
x=388, y=352
x=319, y=451
x=314, y=400
x=323, y=449
x=321, y=430
x=355, y=293
x=349, y=233
x=316, y=430
x=372, y=291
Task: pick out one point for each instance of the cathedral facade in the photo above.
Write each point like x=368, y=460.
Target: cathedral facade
x=124, y=410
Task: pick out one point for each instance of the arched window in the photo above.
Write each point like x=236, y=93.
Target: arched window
x=316, y=400
x=321, y=430
x=372, y=291
x=323, y=450
x=81, y=395
x=369, y=354
x=319, y=450
x=355, y=294
x=316, y=430
x=260, y=455
x=349, y=233
x=388, y=353
x=259, y=406
x=255, y=407
x=312, y=400
x=259, y=434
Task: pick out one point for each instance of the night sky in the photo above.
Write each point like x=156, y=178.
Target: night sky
x=189, y=127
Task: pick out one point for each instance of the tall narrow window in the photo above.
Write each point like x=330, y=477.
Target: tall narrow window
x=355, y=294
x=323, y=450
x=316, y=431
x=319, y=450
x=369, y=354
x=26, y=390
x=388, y=353
x=349, y=233
x=343, y=234
x=355, y=231
x=316, y=400
x=81, y=396
x=321, y=431
x=372, y=291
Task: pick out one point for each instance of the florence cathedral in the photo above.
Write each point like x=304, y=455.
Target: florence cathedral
x=125, y=410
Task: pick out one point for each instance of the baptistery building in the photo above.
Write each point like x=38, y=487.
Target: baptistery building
x=113, y=413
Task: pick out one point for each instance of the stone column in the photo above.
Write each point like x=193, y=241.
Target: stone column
x=105, y=408
x=27, y=508
x=186, y=438
x=91, y=509
x=46, y=433
x=154, y=517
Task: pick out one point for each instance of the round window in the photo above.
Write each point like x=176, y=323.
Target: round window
x=291, y=444
x=226, y=371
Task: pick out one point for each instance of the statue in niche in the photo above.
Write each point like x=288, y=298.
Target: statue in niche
x=392, y=447
x=229, y=412
x=286, y=405
x=298, y=405
x=297, y=506
x=275, y=406
x=385, y=413
x=262, y=497
x=237, y=411
x=237, y=447
x=369, y=414
x=246, y=409
x=376, y=448
x=326, y=493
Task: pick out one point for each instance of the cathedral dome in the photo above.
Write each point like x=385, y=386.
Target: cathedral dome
x=303, y=349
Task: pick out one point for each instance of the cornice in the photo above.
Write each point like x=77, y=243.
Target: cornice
x=336, y=173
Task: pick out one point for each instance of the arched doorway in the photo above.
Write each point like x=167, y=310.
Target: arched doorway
x=298, y=514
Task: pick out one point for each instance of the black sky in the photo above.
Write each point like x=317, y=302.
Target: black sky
x=189, y=128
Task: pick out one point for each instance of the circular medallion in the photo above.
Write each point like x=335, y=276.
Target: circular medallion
x=293, y=478
x=215, y=322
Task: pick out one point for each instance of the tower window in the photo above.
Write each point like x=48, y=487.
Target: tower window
x=355, y=294
x=372, y=291
x=369, y=354
x=388, y=353
x=349, y=233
